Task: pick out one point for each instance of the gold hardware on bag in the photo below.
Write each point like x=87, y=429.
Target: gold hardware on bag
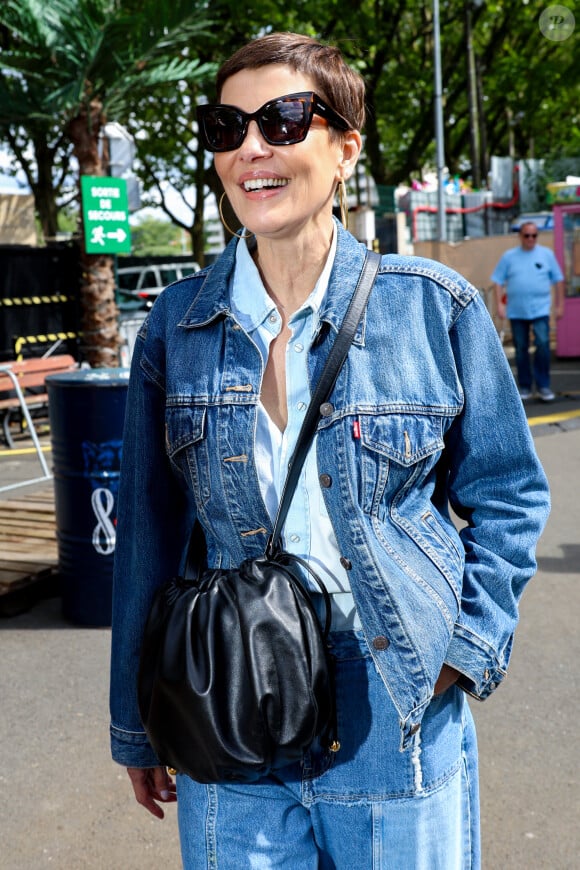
x=334, y=746
x=171, y=771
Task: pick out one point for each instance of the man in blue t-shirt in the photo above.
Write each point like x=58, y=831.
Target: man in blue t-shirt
x=524, y=277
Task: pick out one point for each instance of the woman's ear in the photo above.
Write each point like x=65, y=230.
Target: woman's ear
x=351, y=148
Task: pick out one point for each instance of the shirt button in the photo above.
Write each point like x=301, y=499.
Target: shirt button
x=346, y=563
x=325, y=480
x=298, y=347
x=381, y=642
x=273, y=318
x=294, y=538
x=301, y=406
x=326, y=409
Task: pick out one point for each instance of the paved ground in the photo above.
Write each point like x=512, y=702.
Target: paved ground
x=67, y=806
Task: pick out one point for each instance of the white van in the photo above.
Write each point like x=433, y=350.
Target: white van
x=146, y=282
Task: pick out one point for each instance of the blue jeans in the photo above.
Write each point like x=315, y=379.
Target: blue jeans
x=369, y=806
x=541, y=366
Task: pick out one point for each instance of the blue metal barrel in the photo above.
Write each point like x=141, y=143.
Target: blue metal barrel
x=87, y=411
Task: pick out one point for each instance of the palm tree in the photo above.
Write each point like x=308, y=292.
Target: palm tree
x=80, y=63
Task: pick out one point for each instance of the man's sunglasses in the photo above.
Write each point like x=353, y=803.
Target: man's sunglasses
x=530, y=235
x=283, y=121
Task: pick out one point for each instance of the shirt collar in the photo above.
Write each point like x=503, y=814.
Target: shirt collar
x=249, y=300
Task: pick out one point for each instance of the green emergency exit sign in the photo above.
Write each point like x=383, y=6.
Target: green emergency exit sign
x=105, y=215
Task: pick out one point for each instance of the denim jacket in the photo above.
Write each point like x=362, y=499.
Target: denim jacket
x=424, y=423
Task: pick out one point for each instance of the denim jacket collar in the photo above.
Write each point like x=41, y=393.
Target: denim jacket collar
x=212, y=300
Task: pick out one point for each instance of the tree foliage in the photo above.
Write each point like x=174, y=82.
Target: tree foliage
x=151, y=236
x=508, y=90
x=68, y=52
x=520, y=96
x=69, y=65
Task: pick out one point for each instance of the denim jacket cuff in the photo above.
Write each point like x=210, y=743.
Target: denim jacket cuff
x=477, y=663
x=132, y=749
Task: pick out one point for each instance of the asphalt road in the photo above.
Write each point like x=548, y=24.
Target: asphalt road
x=66, y=805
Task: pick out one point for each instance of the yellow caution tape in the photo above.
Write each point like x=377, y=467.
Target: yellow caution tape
x=34, y=300
x=23, y=340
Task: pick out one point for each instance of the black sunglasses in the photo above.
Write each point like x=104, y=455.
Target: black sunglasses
x=283, y=121
x=530, y=235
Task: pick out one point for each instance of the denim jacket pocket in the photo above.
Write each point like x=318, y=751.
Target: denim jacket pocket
x=437, y=544
x=400, y=454
x=186, y=445
x=394, y=447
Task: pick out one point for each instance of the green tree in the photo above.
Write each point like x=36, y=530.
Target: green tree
x=391, y=43
x=151, y=236
x=170, y=157
x=74, y=64
x=507, y=89
x=531, y=83
x=523, y=99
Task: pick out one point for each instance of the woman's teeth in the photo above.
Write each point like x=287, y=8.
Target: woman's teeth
x=260, y=183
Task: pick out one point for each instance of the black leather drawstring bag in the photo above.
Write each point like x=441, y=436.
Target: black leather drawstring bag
x=235, y=676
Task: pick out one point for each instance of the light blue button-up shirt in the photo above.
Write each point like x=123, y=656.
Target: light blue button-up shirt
x=307, y=518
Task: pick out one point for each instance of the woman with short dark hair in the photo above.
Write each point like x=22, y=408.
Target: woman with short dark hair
x=424, y=417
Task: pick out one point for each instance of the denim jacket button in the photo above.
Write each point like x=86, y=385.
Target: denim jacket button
x=326, y=409
x=381, y=642
x=325, y=480
x=346, y=563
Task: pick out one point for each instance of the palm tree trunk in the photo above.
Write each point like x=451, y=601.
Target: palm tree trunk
x=99, y=313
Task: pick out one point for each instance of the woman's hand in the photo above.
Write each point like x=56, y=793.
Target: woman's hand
x=446, y=678
x=152, y=784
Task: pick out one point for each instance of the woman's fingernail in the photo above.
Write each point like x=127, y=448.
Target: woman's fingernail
x=164, y=794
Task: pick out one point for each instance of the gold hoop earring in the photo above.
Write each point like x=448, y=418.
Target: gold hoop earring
x=343, y=202
x=224, y=222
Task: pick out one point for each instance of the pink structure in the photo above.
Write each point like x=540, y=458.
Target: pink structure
x=567, y=250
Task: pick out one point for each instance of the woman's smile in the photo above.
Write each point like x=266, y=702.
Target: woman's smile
x=262, y=183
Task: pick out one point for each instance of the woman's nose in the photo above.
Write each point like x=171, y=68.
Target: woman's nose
x=254, y=144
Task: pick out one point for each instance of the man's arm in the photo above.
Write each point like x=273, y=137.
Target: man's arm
x=500, y=305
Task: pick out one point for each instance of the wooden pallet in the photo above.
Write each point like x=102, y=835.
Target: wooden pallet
x=28, y=550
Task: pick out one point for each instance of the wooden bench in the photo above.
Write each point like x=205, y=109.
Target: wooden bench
x=23, y=388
